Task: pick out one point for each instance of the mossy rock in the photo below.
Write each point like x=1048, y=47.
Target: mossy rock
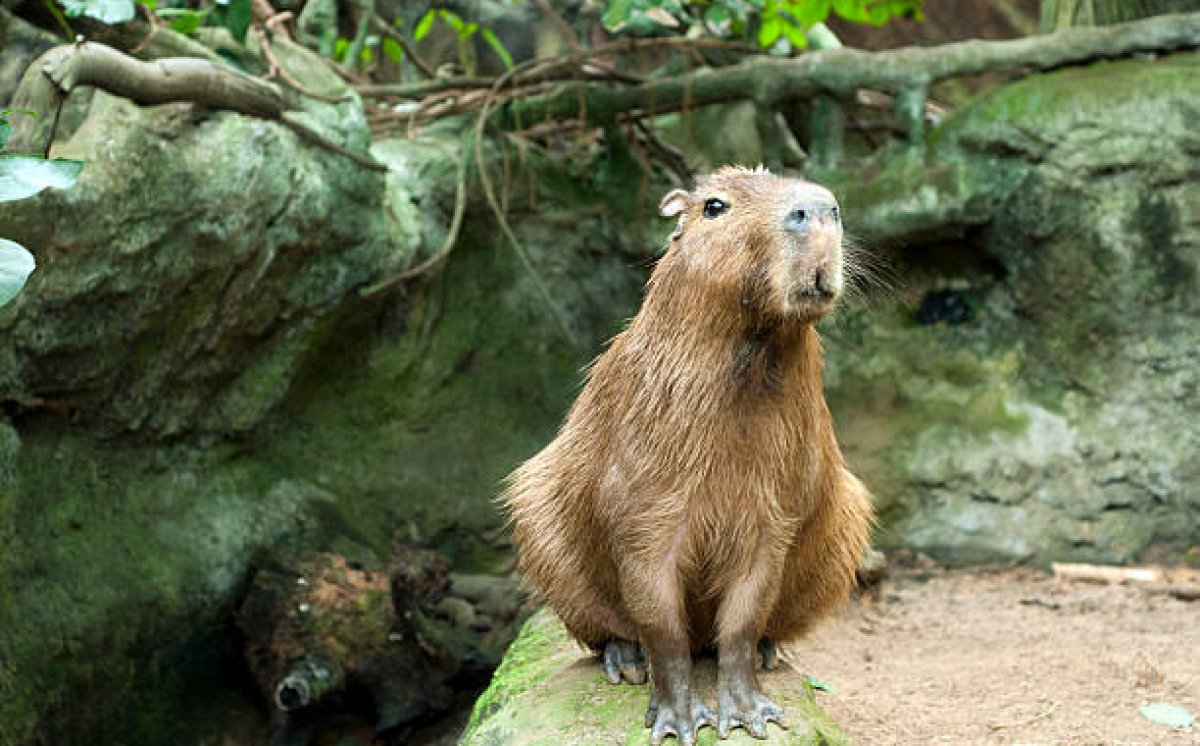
x=551, y=692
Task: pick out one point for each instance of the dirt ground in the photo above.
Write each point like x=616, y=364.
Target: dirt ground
x=1006, y=657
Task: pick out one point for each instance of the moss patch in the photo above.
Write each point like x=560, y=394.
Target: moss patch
x=550, y=691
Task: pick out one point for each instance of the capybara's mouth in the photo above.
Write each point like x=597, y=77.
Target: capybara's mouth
x=813, y=299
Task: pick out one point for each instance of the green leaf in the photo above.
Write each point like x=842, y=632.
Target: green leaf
x=340, y=47
x=24, y=176
x=1168, y=714
x=236, y=16
x=795, y=35
x=851, y=10
x=616, y=14
x=819, y=685
x=770, y=31
x=105, y=11
x=392, y=50
x=498, y=47
x=454, y=20
x=807, y=12
x=719, y=19
x=16, y=264
x=424, y=25
x=183, y=20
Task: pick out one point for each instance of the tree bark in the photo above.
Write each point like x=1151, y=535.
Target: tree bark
x=1060, y=14
x=56, y=73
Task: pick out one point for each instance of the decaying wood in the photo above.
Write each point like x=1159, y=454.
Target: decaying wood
x=1107, y=573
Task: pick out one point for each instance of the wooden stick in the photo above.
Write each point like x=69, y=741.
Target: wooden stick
x=1107, y=573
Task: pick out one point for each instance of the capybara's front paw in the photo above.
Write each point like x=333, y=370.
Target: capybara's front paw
x=624, y=660
x=682, y=718
x=751, y=710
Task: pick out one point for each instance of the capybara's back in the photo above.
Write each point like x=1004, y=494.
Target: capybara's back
x=695, y=495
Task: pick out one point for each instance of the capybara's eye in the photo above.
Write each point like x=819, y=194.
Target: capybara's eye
x=713, y=208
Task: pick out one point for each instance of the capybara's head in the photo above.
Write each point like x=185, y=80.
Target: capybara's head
x=774, y=243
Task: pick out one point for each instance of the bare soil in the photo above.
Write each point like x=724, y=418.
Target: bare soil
x=1006, y=657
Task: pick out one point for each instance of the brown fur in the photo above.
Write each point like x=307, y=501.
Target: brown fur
x=696, y=487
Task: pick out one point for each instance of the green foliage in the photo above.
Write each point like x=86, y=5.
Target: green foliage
x=1168, y=714
x=105, y=11
x=234, y=15
x=464, y=30
x=16, y=264
x=764, y=21
x=424, y=25
x=183, y=20
x=23, y=176
x=498, y=47
x=392, y=50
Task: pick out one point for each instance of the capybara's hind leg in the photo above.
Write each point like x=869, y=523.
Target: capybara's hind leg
x=624, y=661
x=768, y=653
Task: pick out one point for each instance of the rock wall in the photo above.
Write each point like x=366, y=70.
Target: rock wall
x=1056, y=421
x=193, y=376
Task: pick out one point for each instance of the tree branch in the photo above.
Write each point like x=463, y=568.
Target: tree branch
x=56, y=73
x=839, y=72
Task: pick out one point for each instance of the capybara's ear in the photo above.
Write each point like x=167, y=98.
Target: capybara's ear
x=673, y=203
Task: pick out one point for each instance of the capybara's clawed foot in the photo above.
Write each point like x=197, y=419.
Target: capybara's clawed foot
x=682, y=718
x=751, y=710
x=624, y=660
x=768, y=653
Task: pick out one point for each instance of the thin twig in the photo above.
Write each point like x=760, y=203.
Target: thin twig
x=438, y=257
x=665, y=153
x=386, y=28
x=363, y=159
x=490, y=195
x=278, y=70
x=555, y=18
x=1028, y=721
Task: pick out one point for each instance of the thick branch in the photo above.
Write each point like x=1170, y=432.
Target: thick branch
x=56, y=73
x=839, y=72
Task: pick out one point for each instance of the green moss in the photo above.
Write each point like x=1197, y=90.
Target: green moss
x=548, y=689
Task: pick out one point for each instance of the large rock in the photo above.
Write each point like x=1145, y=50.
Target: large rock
x=1059, y=420
x=549, y=691
x=193, y=376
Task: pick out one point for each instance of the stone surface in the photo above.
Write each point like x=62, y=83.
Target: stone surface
x=1058, y=422
x=190, y=382
x=550, y=692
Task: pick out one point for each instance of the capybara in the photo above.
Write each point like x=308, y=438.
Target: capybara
x=696, y=495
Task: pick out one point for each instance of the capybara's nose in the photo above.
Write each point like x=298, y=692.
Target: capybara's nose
x=803, y=216
x=798, y=219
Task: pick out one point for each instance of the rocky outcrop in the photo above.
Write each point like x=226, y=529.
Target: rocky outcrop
x=550, y=691
x=1050, y=416
x=192, y=375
